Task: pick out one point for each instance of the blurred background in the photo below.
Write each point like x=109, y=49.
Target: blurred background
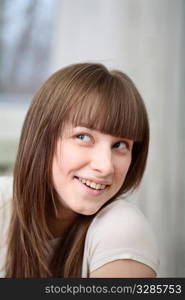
x=146, y=40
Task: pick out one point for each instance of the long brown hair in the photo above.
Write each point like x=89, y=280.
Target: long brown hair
x=86, y=94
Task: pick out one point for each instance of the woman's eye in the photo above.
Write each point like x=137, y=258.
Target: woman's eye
x=121, y=145
x=83, y=137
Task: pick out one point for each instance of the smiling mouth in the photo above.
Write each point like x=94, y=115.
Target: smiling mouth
x=91, y=184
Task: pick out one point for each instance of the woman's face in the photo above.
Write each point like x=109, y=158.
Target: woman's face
x=89, y=168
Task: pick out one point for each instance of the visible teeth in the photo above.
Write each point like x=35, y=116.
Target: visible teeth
x=92, y=184
x=88, y=183
x=98, y=186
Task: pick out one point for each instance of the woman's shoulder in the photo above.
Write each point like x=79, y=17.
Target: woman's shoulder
x=123, y=223
x=118, y=213
x=121, y=231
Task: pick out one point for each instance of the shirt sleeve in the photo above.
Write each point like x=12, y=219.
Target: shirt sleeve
x=6, y=190
x=5, y=213
x=6, y=183
x=121, y=231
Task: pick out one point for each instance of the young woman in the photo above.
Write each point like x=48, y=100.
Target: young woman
x=84, y=143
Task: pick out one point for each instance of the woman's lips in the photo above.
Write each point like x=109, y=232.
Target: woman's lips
x=89, y=189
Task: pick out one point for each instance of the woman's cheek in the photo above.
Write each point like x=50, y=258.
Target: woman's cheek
x=122, y=169
x=73, y=158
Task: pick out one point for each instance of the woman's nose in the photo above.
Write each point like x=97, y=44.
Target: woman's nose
x=102, y=162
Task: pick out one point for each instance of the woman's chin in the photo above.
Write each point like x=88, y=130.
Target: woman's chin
x=87, y=211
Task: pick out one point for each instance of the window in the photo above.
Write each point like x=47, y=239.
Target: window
x=26, y=30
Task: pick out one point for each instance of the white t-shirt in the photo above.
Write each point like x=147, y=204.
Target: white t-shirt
x=119, y=231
